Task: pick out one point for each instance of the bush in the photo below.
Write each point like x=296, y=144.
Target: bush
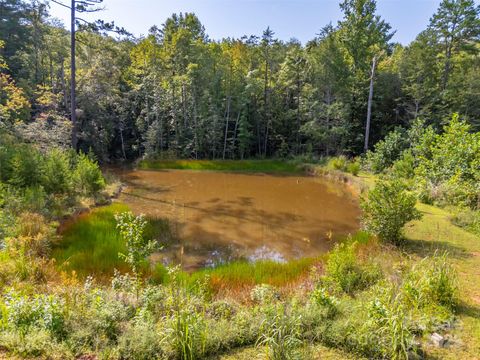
x=264, y=293
x=39, y=312
x=33, y=236
x=338, y=163
x=87, y=175
x=467, y=219
x=448, y=172
x=387, y=209
x=56, y=172
x=341, y=163
x=345, y=272
x=320, y=296
x=140, y=341
x=25, y=167
x=387, y=151
x=187, y=333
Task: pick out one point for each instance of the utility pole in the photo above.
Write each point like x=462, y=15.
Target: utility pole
x=369, y=105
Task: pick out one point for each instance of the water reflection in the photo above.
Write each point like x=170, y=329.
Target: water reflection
x=220, y=217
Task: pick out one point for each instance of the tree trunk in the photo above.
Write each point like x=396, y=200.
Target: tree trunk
x=369, y=105
x=72, y=85
x=227, y=120
x=64, y=85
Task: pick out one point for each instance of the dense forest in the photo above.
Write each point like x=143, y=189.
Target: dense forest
x=178, y=93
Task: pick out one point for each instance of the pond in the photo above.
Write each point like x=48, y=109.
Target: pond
x=218, y=217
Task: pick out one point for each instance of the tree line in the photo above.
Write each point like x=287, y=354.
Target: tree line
x=178, y=93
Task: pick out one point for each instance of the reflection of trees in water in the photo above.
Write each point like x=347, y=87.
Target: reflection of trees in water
x=217, y=230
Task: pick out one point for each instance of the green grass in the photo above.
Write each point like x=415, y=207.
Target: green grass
x=240, y=274
x=269, y=166
x=91, y=244
x=434, y=232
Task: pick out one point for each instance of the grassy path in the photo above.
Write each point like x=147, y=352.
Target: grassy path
x=435, y=231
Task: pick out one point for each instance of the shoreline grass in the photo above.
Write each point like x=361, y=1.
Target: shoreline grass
x=90, y=245
x=267, y=166
x=238, y=275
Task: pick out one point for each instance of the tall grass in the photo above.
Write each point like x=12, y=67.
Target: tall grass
x=240, y=274
x=91, y=244
x=223, y=165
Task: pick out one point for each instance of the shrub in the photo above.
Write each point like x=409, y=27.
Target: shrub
x=139, y=341
x=353, y=167
x=448, y=172
x=264, y=293
x=187, y=332
x=40, y=312
x=404, y=168
x=56, y=172
x=132, y=230
x=338, y=163
x=341, y=163
x=87, y=175
x=468, y=219
x=33, y=235
x=344, y=271
x=320, y=296
x=387, y=209
x=25, y=167
x=387, y=151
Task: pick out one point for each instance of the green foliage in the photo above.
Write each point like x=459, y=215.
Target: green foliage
x=264, y=294
x=321, y=296
x=450, y=173
x=87, y=175
x=341, y=163
x=468, y=219
x=57, y=172
x=433, y=280
x=243, y=165
x=25, y=167
x=92, y=243
x=132, y=229
x=389, y=320
x=344, y=271
x=387, y=151
x=387, y=209
x=40, y=311
x=281, y=334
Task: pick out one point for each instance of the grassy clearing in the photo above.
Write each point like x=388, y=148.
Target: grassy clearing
x=270, y=166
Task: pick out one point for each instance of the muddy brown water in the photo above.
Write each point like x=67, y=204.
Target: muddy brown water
x=218, y=217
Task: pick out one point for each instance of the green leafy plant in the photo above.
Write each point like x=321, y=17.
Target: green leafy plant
x=88, y=176
x=344, y=271
x=132, y=230
x=387, y=209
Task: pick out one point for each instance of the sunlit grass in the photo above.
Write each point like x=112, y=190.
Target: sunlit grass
x=240, y=274
x=91, y=244
x=223, y=165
